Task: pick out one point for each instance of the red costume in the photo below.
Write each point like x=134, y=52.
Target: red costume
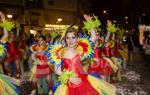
x=89, y=84
x=42, y=68
x=75, y=65
x=13, y=52
x=23, y=44
x=116, y=52
x=107, y=52
x=101, y=67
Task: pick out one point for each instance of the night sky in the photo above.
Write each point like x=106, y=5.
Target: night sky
x=119, y=9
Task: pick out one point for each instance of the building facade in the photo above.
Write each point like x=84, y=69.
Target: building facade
x=36, y=14
x=39, y=13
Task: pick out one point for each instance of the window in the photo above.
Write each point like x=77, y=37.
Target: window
x=34, y=4
x=51, y=2
x=34, y=19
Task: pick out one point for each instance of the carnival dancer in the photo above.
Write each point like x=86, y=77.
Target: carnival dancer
x=121, y=47
x=99, y=67
x=68, y=64
x=23, y=47
x=6, y=87
x=109, y=46
x=13, y=56
x=42, y=69
x=117, y=59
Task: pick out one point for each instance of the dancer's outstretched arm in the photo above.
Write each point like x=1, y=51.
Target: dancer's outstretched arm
x=93, y=36
x=5, y=32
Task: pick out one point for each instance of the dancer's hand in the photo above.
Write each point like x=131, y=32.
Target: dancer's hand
x=109, y=23
x=75, y=81
x=2, y=16
x=87, y=17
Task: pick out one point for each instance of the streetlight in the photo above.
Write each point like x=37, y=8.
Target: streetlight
x=59, y=19
x=9, y=16
x=126, y=17
x=104, y=12
x=144, y=14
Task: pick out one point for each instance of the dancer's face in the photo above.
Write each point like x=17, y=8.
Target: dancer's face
x=71, y=39
x=41, y=41
x=109, y=23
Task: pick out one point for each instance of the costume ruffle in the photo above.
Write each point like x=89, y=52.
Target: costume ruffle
x=111, y=63
x=89, y=86
x=101, y=42
x=7, y=88
x=54, y=57
x=87, y=47
x=84, y=46
x=3, y=50
x=99, y=66
x=33, y=47
x=41, y=66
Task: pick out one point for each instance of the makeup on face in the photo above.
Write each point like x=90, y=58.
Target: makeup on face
x=71, y=39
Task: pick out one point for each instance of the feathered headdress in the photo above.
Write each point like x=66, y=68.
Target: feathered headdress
x=93, y=23
x=111, y=28
x=7, y=25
